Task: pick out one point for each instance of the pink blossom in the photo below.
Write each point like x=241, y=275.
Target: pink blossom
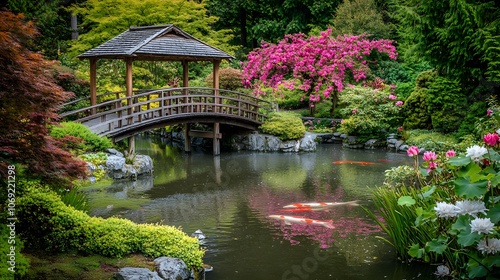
x=491, y=139
x=354, y=111
x=399, y=103
x=400, y=128
x=489, y=112
x=450, y=153
x=393, y=86
x=412, y=151
x=392, y=97
x=433, y=164
x=428, y=156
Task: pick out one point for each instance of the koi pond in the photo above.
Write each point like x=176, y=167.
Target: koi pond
x=230, y=198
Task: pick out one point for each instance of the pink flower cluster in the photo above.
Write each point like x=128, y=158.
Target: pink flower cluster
x=450, y=153
x=320, y=63
x=430, y=157
x=491, y=139
x=412, y=151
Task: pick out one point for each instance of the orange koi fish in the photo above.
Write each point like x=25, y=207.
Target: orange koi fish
x=354, y=162
x=301, y=220
x=320, y=205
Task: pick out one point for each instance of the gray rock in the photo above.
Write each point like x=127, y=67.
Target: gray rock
x=172, y=268
x=143, y=164
x=337, y=134
x=134, y=273
x=290, y=146
x=398, y=144
x=115, y=163
x=91, y=167
x=256, y=142
x=114, y=152
x=308, y=143
x=403, y=147
x=392, y=141
x=273, y=143
x=343, y=136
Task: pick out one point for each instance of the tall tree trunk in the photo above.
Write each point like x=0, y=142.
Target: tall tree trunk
x=335, y=100
x=243, y=27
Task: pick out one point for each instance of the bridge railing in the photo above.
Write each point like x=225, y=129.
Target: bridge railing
x=110, y=116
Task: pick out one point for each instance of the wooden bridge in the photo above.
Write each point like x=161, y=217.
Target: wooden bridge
x=118, y=116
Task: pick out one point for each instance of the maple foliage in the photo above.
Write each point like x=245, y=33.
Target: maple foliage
x=29, y=98
x=316, y=65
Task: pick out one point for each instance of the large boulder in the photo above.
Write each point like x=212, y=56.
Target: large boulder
x=308, y=143
x=143, y=164
x=172, y=268
x=134, y=273
x=115, y=167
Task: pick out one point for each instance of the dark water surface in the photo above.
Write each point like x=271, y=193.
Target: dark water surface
x=230, y=197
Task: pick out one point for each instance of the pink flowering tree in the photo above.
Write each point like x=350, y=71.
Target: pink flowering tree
x=317, y=65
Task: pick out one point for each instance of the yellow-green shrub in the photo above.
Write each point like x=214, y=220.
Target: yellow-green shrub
x=285, y=126
x=51, y=225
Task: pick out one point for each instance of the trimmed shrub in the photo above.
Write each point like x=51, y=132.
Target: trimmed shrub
x=430, y=140
x=446, y=104
x=91, y=141
x=368, y=113
x=286, y=126
x=49, y=224
x=229, y=78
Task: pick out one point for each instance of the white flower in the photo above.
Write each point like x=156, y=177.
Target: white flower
x=442, y=271
x=476, y=152
x=489, y=245
x=445, y=210
x=481, y=225
x=470, y=207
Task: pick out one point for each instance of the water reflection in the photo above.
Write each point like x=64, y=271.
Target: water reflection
x=230, y=198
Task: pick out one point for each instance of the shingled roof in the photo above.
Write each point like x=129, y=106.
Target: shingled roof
x=160, y=42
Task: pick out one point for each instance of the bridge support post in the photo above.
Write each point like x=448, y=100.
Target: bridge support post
x=216, y=139
x=131, y=145
x=187, y=138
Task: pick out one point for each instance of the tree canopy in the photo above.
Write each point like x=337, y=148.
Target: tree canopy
x=104, y=19
x=29, y=99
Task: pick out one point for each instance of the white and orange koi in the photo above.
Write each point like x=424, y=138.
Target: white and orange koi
x=320, y=205
x=301, y=220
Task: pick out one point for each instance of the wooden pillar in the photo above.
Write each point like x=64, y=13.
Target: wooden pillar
x=216, y=144
x=185, y=83
x=187, y=138
x=93, y=83
x=128, y=85
x=216, y=84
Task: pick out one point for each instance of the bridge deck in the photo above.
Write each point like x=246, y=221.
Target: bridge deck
x=125, y=116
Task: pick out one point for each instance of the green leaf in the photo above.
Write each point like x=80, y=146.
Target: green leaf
x=493, y=155
x=478, y=271
x=495, y=180
x=462, y=223
x=468, y=238
x=494, y=214
x=464, y=188
x=471, y=169
x=428, y=191
x=423, y=171
x=492, y=261
x=437, y=245
x=406, y=200
x=416, y=252
x=459, y=161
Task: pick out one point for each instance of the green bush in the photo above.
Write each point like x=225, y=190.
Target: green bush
x=51, y=225
x=430, y=140
x=229, y=78
x=286, y=126
x=21, y=263
x=91, y=142
x=446, y=104
x=474, y=112
x=368, y=113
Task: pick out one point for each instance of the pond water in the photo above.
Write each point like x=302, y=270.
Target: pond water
x=230, y=198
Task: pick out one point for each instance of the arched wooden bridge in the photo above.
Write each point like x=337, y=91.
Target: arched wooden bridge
x=120, y=117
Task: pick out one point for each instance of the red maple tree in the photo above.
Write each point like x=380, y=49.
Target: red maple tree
x=29, y=99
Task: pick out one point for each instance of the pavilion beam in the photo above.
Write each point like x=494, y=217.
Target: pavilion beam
x=216, y=141
x=129, y=90
x=93, y=84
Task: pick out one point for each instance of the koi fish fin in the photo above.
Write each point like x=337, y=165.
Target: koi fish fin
x=353, y=203
x=329, y=224
x=288, y=223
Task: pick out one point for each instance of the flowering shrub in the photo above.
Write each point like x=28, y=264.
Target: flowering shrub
x=369, y=112
x=457, y=201
x=317, y=65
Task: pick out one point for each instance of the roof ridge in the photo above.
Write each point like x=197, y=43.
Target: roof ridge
x=164, y=28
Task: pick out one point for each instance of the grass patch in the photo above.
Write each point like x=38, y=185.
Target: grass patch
x=74, y=266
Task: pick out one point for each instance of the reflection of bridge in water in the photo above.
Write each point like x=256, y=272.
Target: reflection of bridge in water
x=123, y=117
